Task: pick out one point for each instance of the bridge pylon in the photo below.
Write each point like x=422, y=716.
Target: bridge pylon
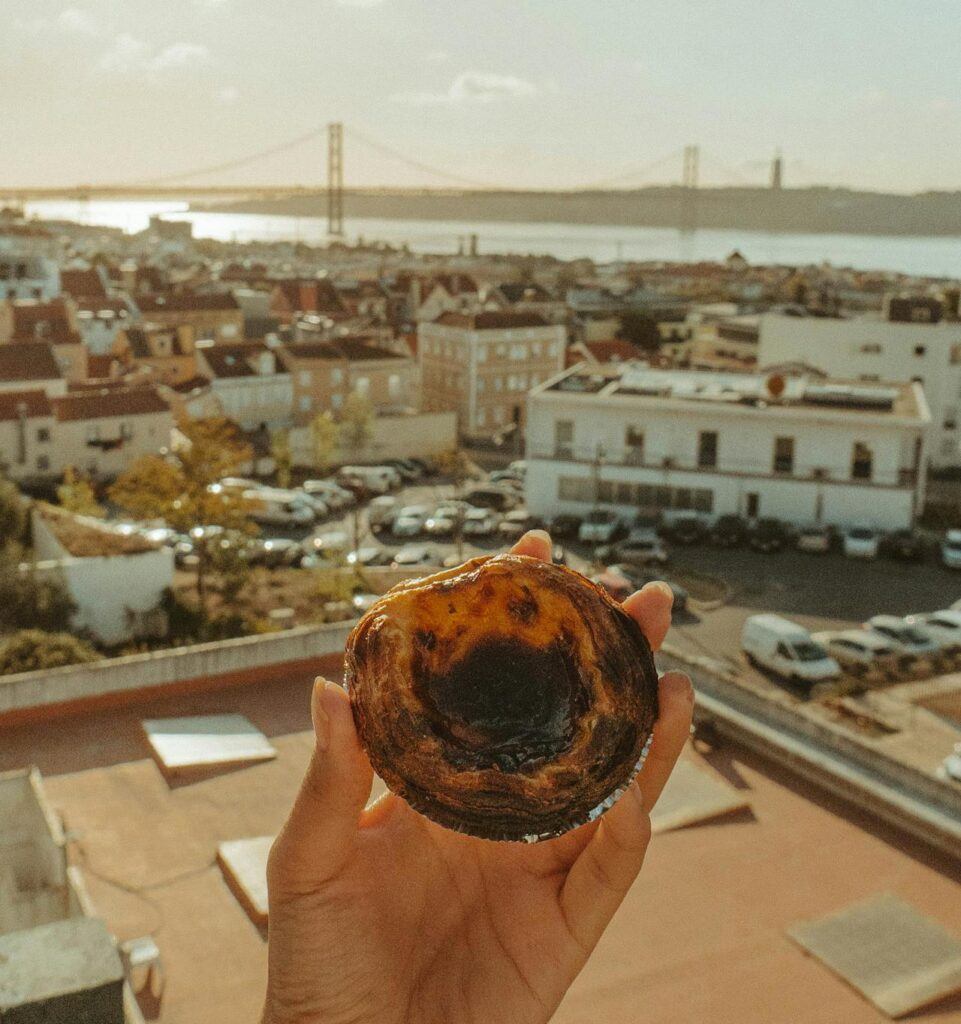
x=335, y=179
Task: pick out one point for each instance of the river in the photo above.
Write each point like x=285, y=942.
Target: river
x=925, y=256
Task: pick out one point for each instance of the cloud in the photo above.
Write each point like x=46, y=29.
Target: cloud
x=359, y=3
x=73, y=19
x=227, y=94
x=437, y=57
x=473, y=87
x=129, y=55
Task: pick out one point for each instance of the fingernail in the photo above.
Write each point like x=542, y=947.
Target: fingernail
x=664, y=589
x=540, y=535
x=319, y=715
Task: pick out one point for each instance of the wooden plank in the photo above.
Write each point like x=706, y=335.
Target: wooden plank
x=892, y=954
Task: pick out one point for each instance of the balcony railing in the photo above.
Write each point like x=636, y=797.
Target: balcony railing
x=636, y=458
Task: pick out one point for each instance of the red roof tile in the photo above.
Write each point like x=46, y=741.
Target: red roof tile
x=33, y=361
x=83, y=283
x=186, y=302
x=106, y=402
x=14, y=403
x=491, y=320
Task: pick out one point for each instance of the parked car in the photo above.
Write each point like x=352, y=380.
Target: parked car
x=861, y=542
x=415, y=555
x=912, y=644
x=639, y=577
x=816, y=540
x=381, y=512
x=943, y=626
x=516, y=523
x=275, y=507
x=786, y=649
x=643, y=547
x=618, y=586
x=685, y=530
x=315, y=502
x=500, y=499
x=859, y=651
x=362, y=603
x=768, y=535
x=377, y=479
x=410, y=472
x=409, y=521
x=276, y=552
x=370, y=556
x=566, y=526
x=519, y=466
x=600, y=526
x=442, y=522
x=951, y=549
x=327, y=548
x=480, y=522
x=729, y=531
x=904, y=545
x=333, y=495
x=506, y=477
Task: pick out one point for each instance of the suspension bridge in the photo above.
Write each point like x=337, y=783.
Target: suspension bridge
x=194, y=183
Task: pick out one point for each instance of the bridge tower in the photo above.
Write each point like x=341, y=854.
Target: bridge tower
x=689, y=186
x=335, y=179
x=777, y=172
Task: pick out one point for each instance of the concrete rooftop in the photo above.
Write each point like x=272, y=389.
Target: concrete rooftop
x=700, y=938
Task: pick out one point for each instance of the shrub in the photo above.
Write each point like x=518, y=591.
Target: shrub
x=31, y=650
x=29, y=598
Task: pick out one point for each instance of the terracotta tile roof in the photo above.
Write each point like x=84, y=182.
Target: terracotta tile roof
x=43, y=321
x=524, y=292
x=34, y=403
x=99, y=366
x=311, y=296
x=83, y=283
x=353, y=349
x=491, y=320
x=232, y=360
x=32, y=361
x=185, y=387
x=105, y=402
x=186, y=302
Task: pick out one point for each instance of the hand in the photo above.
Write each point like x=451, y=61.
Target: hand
x=379, y=916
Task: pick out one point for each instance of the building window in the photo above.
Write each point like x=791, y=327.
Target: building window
x=498, y=383
x=563, y=438
x=753, y=505
x=393, y=385
x=306, y=378
x=707, y=449
x=784, y=455
x=336, y=377
x=93, y=431
x=518, y=352
x=362, y=386
x=536, y=350
x=861, y=462
x=336, y=401
x=482, y=353
x=634, y=442
x=126, y=431
x=482, y=417
x=43, y=463
x=43, y=435
x=575, y=488
x=480, y=384
x=919, y=350
x=305, y=403
x=872, y=349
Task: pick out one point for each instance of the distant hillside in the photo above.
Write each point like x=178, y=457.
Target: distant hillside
x=820, y=210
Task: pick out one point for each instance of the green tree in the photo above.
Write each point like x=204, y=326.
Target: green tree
x=29, y=597
x=13, y=514
x=76, y=494
x=640, y=330
x=179, y=489
x=31, y=650
x=324, y=440
x=456, y=465
x=283, y=456
x=356, y=423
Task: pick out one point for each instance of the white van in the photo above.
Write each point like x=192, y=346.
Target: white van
x=787, y=649
x=377, y=479
x=275, y=507
x=381, y=512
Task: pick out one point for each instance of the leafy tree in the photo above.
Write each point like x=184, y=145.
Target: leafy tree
x=29, y=597
x=324, y=440
x=356, y=423
x=76, y=494
x=457, y=465
x=640, y=330
x=283, y=456
x=13, y=514
x=31, y=650
x=179, y=489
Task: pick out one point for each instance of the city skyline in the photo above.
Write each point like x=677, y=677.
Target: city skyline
x=543, y=96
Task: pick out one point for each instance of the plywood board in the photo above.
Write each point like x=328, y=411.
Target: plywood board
x=692, y=796
x=887, y=950
x=244, y=864
x=204, y=741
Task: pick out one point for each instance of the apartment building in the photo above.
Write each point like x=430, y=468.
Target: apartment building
x=249, y=382
x=98, y=431
x=31, y=366
x=26, y=276
x=54, y=323
x=481, y=366
x=292, y=299
x=641, y=440
x=926, y=350
x=167, y=354
x=214, y=317
x=324, y=373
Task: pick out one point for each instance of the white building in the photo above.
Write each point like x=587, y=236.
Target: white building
x=870, y=349
x=253, y=389
x=25, y=276
x=642, y=440
x=481, y=365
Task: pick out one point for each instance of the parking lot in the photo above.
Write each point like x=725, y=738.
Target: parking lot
x=819, y=591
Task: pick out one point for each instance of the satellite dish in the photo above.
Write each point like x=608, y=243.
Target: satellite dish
x=775, y=385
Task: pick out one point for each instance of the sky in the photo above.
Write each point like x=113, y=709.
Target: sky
x=529, y=93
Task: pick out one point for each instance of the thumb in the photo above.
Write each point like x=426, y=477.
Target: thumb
x=317, y=839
